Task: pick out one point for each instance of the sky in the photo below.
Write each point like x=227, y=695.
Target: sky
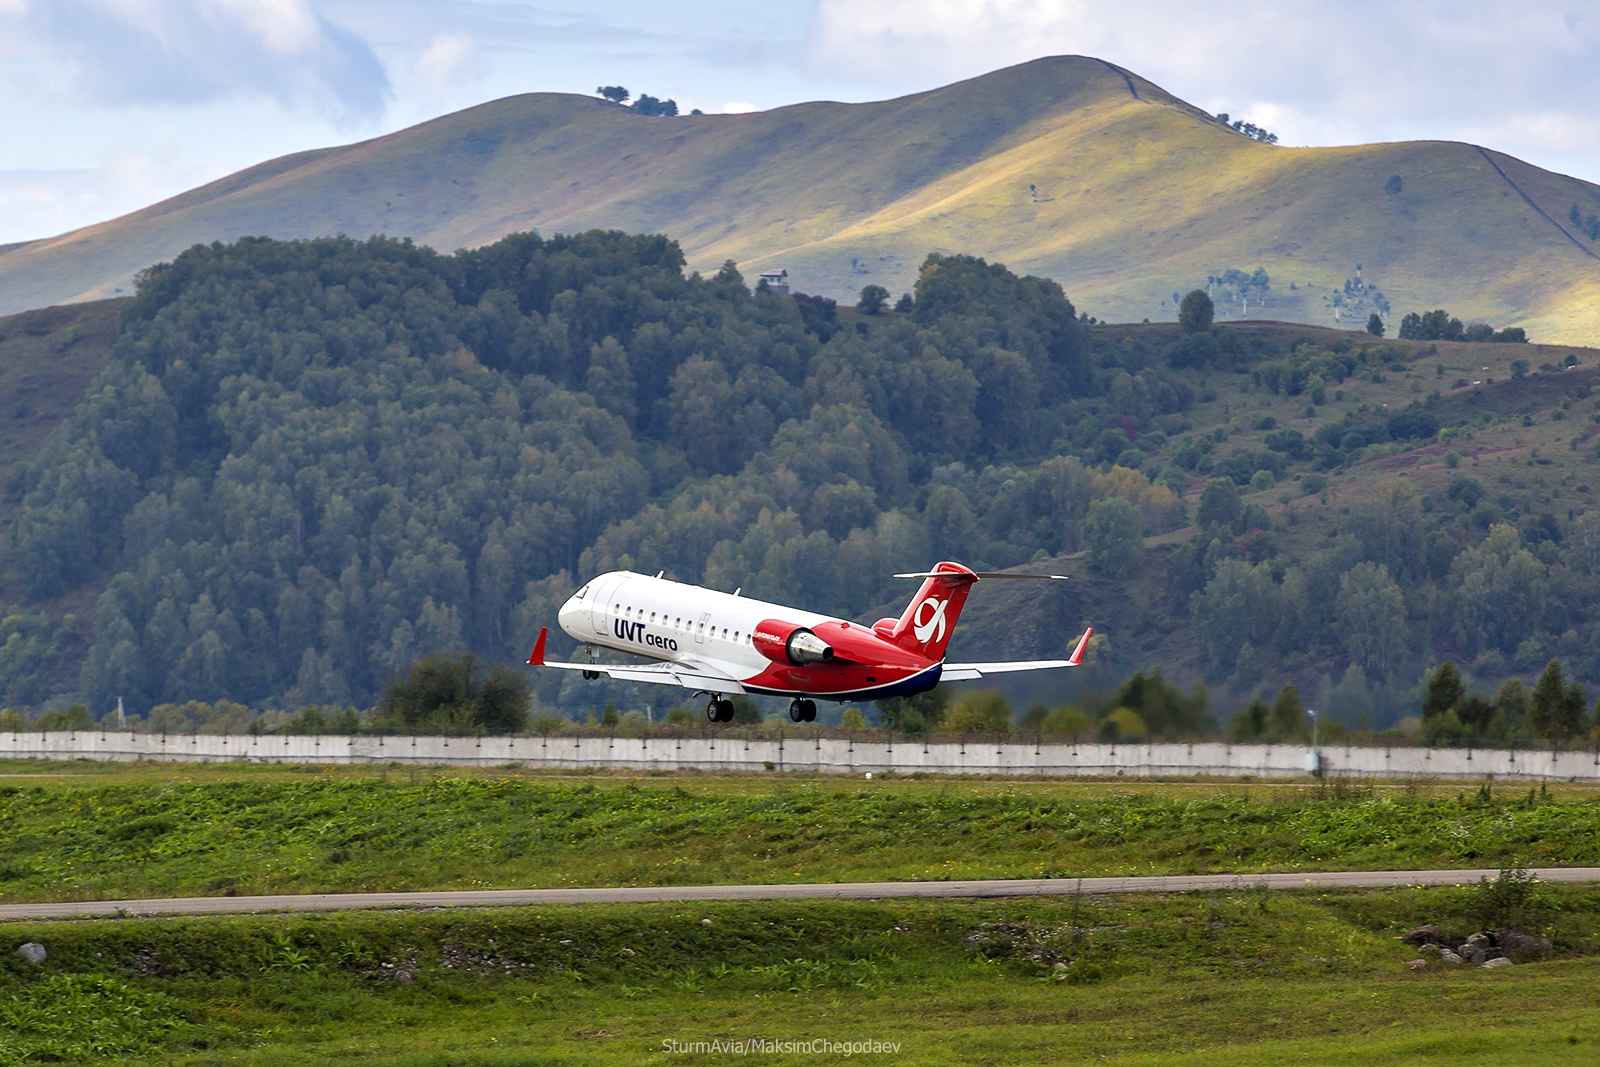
x=111, y=105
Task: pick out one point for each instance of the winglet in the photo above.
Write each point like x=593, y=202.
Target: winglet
x=536, y=658
x=1073, y=660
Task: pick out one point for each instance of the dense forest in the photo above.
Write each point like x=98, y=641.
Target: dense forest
x=309, y=463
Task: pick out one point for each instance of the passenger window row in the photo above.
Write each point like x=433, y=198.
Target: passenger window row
x=629, y=612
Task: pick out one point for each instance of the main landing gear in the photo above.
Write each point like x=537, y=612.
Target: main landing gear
x=802, y=710
x=719, y=710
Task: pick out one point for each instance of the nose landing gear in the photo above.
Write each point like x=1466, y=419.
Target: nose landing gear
x=802, y=710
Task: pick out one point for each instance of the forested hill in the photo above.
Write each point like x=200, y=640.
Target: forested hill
x=307, y=463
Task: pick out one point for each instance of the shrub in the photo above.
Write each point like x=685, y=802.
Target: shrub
x=981, y=711
x=1129, y=726
x=1513, y=900
x=1068, y=720
x=547, y=724
x=453, y=694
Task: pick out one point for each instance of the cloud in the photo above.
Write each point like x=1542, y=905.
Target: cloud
x=199, y=51
x=36, y=203
x=738, y=107
x=1517, y=74
x=450, y=59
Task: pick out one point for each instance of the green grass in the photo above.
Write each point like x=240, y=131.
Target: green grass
x=1135, y=198
x=79, y=839
x=1247, y=977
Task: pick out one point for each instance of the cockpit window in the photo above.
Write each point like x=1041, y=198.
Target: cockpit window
x=579, y=594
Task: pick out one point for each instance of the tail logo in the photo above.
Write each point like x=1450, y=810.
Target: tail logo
x=925, y=628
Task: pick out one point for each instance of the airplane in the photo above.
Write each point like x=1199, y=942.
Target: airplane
x=719, y=644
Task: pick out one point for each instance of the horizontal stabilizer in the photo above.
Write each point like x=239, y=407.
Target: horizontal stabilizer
x=968, y=672
x=983, y=574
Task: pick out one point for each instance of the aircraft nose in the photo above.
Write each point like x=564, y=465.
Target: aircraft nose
x=568, y=615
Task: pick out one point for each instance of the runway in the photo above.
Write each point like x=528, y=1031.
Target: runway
x=1026, y=887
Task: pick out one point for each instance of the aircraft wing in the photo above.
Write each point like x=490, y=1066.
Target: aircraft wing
x=967, y=672
x=688, y=674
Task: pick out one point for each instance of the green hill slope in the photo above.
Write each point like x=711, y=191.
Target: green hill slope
x=1066, y=167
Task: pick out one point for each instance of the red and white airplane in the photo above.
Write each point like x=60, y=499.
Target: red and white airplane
x=722, y=643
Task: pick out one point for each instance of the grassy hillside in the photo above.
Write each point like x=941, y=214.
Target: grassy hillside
x=1066, y=167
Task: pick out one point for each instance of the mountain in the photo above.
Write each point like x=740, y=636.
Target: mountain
x=1067, y=167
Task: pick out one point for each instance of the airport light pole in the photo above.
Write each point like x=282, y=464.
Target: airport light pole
x=1316, y=756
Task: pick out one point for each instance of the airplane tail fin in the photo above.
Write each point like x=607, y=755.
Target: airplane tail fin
x=930, y=618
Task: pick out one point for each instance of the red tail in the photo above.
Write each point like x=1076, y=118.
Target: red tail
x=930, y=619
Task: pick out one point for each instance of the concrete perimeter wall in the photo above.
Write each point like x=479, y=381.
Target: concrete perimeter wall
x=816, y=754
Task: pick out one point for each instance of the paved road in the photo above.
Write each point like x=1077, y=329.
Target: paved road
x=814, y=891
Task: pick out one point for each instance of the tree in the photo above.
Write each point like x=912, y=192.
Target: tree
x=453, y=694
x=649, y=105
x=1372, y=616
x=1445, y=691
x=1289, y=719
x=1113, y=532
x=1499, y=588
x=1195, y=313
x=615, y=93
x=1219, y=503
x=1375, y=324
x=873, y=299
x=905, y=305
x=915, y=714
x=1511, y=702
x=1519, y=368
x=1547, y=710
x=1239, y=608
x=1395, y=185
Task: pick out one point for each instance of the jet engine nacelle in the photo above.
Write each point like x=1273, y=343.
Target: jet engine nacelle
x=787, y=642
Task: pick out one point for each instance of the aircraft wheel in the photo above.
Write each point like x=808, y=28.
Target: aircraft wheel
x=714, y=711
x=797, y=712
x=809, y=709
x=590, y=676
x=724, y=711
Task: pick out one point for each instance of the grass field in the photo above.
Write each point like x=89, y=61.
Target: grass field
x=163, y=831
x=1252, y=978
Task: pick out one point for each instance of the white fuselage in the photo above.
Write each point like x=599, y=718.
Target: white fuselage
x=665, y=620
